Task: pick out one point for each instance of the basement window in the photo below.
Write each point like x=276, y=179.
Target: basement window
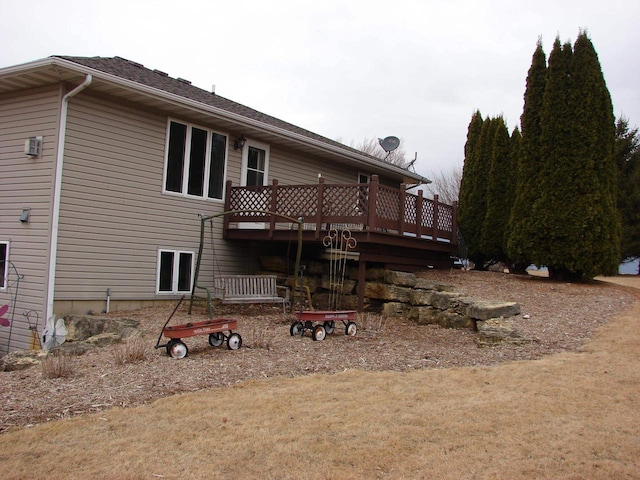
x=175, y=271
x=195, y=161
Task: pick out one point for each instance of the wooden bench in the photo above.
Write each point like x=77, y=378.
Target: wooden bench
x=250, y=289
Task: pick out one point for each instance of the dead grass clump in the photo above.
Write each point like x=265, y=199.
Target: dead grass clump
x=260, y=337
x=57, y=365
x=132, y=351
x=373, y=322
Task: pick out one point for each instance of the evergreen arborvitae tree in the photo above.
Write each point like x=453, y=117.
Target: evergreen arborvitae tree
x=595, y=133
x=520, y=241
x=496, y=220
x=627, y=155
x=551, y=239
x=511, y=189
x=472, y=190
x=576, y=226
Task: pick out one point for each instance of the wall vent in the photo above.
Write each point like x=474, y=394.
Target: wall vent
x=33, y=146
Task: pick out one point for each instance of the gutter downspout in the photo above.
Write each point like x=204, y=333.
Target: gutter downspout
x=57, y=191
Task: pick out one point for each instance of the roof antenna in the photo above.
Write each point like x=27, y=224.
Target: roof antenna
x=389, y=144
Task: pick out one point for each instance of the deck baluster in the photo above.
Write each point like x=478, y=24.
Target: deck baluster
x=273, y=207
x=436, y=207
x=319, y=209
x=372, y=204
x=419, y=215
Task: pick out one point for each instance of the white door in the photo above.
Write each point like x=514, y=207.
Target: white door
x=255, y=172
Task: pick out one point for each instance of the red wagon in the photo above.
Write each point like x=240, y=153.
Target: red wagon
x=323, y=322
x=218, y=329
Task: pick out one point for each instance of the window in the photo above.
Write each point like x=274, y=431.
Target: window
x=4, y=264
x=174, y=271
x=363, y=178
x=195, y=164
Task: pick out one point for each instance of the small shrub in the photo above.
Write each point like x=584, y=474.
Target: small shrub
x=132, y=351
x=57, y=365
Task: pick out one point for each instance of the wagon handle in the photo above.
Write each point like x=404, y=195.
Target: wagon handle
x=167, y=322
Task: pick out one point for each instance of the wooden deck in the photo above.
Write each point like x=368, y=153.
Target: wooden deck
x=398, y=229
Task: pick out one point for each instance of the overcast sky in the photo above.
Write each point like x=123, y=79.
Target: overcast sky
x=348, y=70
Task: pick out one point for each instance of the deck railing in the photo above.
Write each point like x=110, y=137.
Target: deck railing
x=368, y=207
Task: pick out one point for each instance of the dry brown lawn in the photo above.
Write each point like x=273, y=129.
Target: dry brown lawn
x=571, y=415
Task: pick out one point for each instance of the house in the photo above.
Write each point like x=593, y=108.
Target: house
x=105, y=167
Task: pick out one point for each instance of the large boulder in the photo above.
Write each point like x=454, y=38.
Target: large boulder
x=81, y=327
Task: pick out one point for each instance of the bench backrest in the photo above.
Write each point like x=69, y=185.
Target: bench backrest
x=246, y=286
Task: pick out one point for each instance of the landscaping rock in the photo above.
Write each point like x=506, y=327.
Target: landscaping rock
x=394, y=308
x=495, y=331
x=487, y=310
x=420, y=297
x=423, y=315
x=444, y=300
x=104, y=339
x=424, y=284
x=346, y=287
x=22, y=359
x=401, y=279
x=383, y=291
x=81, y=327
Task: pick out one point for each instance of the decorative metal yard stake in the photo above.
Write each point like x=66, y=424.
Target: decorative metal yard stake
x=339, y=244
x=7, y=311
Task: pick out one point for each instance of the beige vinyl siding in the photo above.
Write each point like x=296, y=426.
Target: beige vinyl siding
x=114, y=217
x=27, y=183
x=292, y=169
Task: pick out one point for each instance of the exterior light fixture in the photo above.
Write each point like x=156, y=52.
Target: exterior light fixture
x=239, y=142
x=25, y=215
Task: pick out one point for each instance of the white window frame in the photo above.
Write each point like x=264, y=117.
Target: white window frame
x=245, y=161
x=185, y=166
x=175, y=280
x=364, y=175
x=4, y=275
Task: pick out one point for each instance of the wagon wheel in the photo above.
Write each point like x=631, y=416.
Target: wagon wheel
x=351, y=329
x=234, y=341
x=319, y=333
x=330, y=327
x=176, y=348
x=216, y=339
x=296, y=329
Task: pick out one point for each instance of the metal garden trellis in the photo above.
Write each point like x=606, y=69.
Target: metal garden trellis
x=322, y=322
x=12, y=287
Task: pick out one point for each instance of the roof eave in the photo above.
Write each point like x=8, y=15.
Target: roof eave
x=216, y=111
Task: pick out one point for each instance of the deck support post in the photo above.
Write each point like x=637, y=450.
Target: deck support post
x=362, y=275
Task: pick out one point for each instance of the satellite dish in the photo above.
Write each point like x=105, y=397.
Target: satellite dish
x=54, y=333
x=389, y=144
